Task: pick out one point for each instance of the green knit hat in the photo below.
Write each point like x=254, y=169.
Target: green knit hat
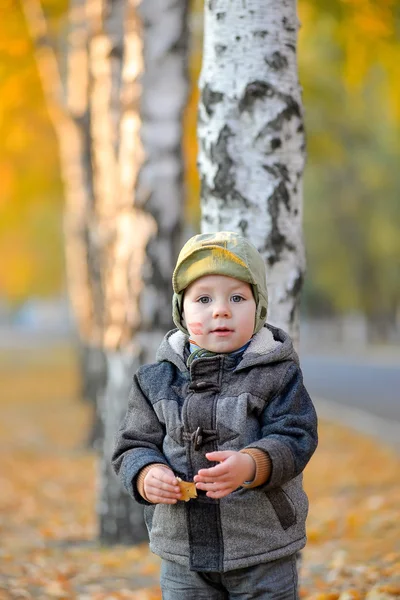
x=221, y=253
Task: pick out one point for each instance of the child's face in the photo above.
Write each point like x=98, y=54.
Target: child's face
x=219, y=312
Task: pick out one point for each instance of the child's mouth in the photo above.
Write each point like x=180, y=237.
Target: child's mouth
x=221, y=331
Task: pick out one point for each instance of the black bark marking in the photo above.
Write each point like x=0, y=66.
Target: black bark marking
x=275, y=143
x=292, y=110
x=283, y=171
x=224, y=181
x=287, y=26
x=200, y=121
x=209, y=98
x=219, y=155
x=291, y=47
x=276, y=242
x=281, y=194
x=220, y=16
x=297, y=285
x=278, y=170
x=243, y=226
x=211, y=5
x=238, y=38
x=294, y=292
x=180, y=45
x=261, y=33
x=219, y=49
x=260, y=90
x=116, y=52
x=255, y=90
x=276, y=61
x=269, y=170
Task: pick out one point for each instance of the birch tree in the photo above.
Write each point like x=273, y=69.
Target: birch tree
x=68, y=107
x=138, y=70
x=70, y=144
x=85, y=292
x=251, y=139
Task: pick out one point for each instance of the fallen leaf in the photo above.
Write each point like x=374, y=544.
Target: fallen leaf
x=188, y=489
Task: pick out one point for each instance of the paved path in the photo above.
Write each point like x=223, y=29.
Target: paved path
x=348, y=380
x=360, y=391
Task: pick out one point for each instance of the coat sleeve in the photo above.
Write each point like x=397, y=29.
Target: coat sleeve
x=288, y=429
x=138, y=441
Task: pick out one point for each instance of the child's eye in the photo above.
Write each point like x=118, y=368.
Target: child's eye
x=237, y=298
x=204, y=300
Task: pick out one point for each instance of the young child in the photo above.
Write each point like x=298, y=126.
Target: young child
x=223, y=406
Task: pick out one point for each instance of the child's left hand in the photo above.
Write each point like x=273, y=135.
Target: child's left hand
x=234, y=469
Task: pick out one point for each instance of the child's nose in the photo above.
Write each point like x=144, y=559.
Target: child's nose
x=221, y=309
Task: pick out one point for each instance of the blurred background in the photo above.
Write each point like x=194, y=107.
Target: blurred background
x=349, y=57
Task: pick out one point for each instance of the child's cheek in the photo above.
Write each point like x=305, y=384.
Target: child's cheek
x=196, y=328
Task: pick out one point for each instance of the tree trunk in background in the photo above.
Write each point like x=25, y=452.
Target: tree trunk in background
x=75, y=178
x=165, y=92
x=69, y=114
x=136, y=217
x=113, y=230
x=80, y=251
x=251, y=140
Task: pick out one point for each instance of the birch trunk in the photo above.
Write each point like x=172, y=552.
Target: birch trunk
x=165, y=92
x=70, y=130
x=137, y=218
x=113, y=234
x=80, y=253
x=251, y=139
x=69, y=114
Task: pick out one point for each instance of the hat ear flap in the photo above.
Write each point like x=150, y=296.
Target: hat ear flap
x=261, y=312
x=177, y=312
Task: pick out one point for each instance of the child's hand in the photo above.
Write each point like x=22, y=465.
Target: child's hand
x=161, y=486
x=234, y=469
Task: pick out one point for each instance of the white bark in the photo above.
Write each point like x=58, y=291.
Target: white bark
x=165, y=89
x=251, y=139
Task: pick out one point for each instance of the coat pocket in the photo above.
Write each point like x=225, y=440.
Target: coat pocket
x=283, y=507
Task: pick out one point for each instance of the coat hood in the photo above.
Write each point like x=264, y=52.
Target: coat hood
x=269, y=345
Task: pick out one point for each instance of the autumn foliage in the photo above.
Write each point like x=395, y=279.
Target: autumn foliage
x=47, y=516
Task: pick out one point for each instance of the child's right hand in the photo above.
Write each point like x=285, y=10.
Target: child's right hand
x=161, y=486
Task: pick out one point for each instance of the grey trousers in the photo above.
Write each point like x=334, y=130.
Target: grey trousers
x=276, y=580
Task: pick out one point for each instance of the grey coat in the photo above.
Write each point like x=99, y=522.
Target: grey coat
x=175, y=416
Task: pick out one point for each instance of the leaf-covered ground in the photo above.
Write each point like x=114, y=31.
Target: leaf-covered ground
x=48, y=543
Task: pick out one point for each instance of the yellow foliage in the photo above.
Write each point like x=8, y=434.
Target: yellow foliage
x=16, y=266
x=366, y=32
x=190, y=145
x=29, y=170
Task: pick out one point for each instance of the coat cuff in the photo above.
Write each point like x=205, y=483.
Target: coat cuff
x=263, y=467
